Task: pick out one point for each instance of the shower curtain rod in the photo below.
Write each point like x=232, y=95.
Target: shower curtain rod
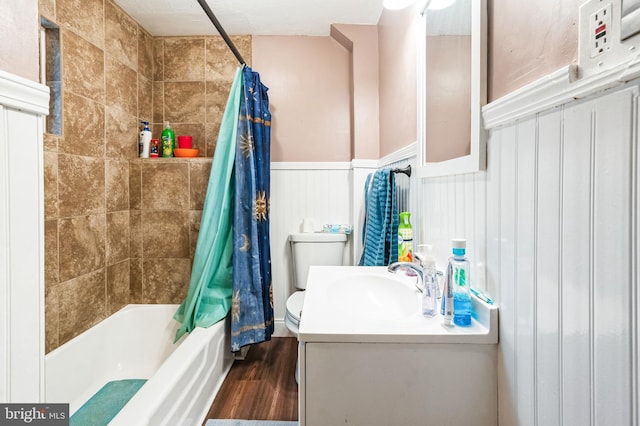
x=221, y=30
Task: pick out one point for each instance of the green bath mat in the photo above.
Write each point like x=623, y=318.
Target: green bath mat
x=102, y=407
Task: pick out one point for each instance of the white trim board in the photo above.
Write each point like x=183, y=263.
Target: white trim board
x=23, y=105
x=23, y=94
x=404, y=153
x=310, y=165
x=555, y=89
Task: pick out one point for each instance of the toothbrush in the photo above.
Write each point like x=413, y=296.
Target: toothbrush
x=447, y=298
x=486, y=299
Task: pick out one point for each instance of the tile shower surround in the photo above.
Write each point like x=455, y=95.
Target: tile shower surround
x=118, y=229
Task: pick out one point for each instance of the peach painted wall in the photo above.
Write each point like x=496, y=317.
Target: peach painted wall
x=362, y=43
x=528, y=40
x=19, y=38
x=396, y=39
x=309, y=96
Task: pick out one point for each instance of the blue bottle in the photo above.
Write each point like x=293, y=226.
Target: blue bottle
x=460, y=283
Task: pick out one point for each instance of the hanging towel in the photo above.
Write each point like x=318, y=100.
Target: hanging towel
x=380, y=229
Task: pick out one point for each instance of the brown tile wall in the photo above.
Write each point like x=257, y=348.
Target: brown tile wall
x=119, y=229
x=191, y=81
x=165, y=193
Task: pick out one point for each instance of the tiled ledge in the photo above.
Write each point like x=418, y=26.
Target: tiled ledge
x=174, y=159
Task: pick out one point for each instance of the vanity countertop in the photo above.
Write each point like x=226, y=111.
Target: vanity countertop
x=370, y=304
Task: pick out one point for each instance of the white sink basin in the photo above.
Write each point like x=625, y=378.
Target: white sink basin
x=371, y=304
x=374, y=296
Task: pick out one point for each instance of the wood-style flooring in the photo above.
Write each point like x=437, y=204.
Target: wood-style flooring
x=262, y=386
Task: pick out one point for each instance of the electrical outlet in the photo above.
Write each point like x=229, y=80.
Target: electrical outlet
x=600, y=46
x=599, y=31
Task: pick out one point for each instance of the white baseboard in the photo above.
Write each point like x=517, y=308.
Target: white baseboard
x=281, y=329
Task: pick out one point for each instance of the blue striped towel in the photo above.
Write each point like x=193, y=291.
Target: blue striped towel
x=380, y=229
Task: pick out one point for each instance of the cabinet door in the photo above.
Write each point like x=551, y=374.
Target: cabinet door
x=383, y=384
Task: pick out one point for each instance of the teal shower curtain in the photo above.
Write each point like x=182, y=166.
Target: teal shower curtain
x=232, y=263
x=209, y=297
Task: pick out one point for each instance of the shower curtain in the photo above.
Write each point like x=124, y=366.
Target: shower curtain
x=209, y=297
x=252, y=302
x=232, y=262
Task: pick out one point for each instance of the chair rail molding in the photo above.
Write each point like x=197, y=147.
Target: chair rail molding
x=555, y=89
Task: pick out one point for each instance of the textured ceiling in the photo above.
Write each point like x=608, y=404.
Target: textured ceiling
x=255, y=17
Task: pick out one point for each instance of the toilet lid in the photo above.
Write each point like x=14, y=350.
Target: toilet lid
x=318, y=237
x=294, y=304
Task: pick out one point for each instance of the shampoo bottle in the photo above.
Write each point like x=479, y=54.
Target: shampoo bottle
x=168, y=142
x=144, y=141
x=405, y=238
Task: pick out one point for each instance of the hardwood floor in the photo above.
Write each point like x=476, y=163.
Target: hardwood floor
x=262, y=386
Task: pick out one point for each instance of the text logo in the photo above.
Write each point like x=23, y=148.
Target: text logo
x=34, y=414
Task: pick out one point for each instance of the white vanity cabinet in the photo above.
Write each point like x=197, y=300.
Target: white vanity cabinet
x=394, y=370
x=397, y=384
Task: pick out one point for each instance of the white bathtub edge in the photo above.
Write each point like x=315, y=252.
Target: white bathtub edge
x=113, y=349
x=187, y=401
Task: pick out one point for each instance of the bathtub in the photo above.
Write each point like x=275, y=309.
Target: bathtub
x=137, y=343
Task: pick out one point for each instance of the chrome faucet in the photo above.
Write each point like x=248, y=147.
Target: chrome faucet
x=403, y=266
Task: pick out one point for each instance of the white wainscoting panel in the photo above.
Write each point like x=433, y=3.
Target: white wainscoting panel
x=611, y=264
x=547, y=301
x=507, y=273
x=453, y=207
x=566, y=230
x=525, y=268
x=553, y=226
x=320, y=192
x=23, y=105
x=575, y=277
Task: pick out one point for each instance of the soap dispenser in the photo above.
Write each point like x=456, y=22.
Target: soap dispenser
x=430, y=278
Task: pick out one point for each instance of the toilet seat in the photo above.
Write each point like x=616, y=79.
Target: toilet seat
x=294, y=310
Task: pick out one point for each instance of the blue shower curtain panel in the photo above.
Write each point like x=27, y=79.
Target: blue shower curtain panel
x=209, y=296
x=252, y=299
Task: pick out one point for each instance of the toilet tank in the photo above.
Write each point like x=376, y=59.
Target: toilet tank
x=315, y=248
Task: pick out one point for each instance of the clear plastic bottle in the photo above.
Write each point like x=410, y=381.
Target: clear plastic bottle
x=430, y=291
x=460, y=283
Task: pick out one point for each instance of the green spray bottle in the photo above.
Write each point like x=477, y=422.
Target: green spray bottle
x=168, y=140
x=405, y=238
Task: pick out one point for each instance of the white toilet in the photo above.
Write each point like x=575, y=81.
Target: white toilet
x=313, y=248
